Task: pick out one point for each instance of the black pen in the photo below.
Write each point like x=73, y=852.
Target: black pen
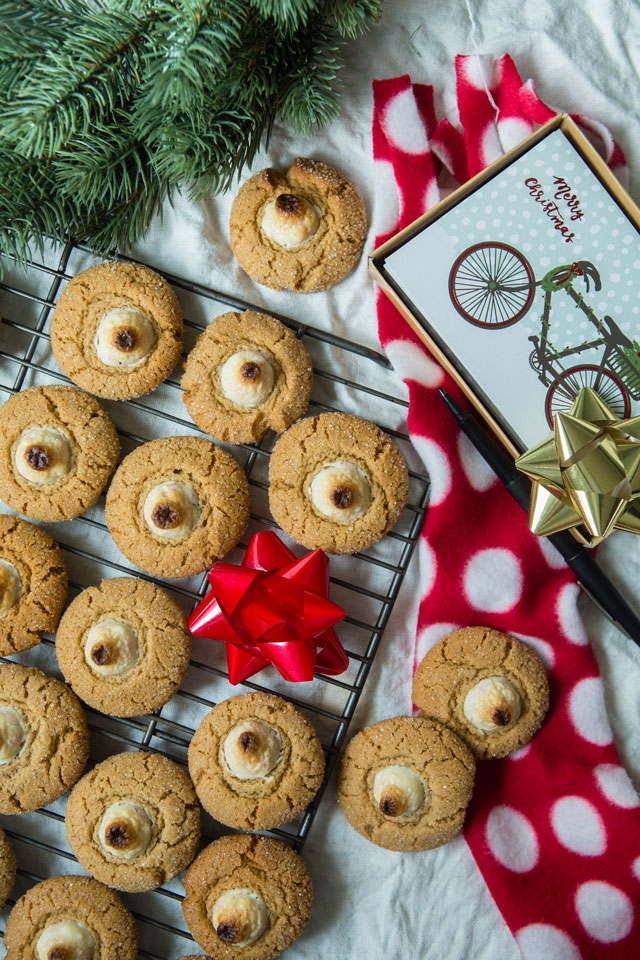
x=590, y=576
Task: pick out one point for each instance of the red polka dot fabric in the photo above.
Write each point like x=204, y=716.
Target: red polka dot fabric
x=555, y=828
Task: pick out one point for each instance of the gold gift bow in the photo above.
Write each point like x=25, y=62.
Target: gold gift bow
x=586, y=472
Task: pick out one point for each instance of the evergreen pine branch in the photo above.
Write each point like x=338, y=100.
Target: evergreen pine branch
x=29, y=29
x=77, y=85
x=212, y=156
x=289, y=15
x=30, y=210
x=309, y=97
x=193, y=43
x=352, y=17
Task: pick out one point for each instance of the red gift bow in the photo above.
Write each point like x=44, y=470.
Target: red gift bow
x=273, y=609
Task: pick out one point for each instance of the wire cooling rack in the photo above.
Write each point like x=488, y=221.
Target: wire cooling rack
x=366, y=585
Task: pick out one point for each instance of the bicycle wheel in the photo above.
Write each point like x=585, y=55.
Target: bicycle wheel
x=491, y=285
x=566, y=387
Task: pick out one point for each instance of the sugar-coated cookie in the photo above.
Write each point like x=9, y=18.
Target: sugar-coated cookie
x=65, y=918
x=44, y=741
x=133, y=822
x=337, y=482
x=487, y=686
x=405, y=783
x=256, y=762
x=124, y=646
x=57, y=450
x=117, y=330
x=7, y=868
x=33, y=584
x=247, y=374
x=248, y=897
x=303, y=231
x=176, y=505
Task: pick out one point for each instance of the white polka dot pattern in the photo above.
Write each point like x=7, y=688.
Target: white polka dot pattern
x=512, y=839
x=403, y=124
x=493, y=580
x=587, y=709
x=437, y=464
x=614, y=782
x=568, y=615
x=541, y=941
x=578, y=826
x=476, y=469
x=413, y=363
x=605, y=912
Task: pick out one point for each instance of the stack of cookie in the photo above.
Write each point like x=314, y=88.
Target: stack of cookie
x=174, y=507
x=405, y=783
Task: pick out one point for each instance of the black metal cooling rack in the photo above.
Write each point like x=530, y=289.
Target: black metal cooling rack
x=366, y=585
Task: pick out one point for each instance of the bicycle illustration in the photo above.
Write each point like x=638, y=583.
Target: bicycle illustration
x=492, y=286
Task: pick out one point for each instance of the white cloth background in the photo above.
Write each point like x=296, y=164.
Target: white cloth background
x=586, y=58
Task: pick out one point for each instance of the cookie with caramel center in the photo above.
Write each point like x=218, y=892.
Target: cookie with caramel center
x=133, y=822
x=176, y=505
x=256, y=762
x=124, y=646
x=44, y=741
x=117, y=330
x=405, y=783
x=62, y=916
x=337, y=482
x=487, y=686
x=58, y=448
x=301, y=231
x=247, y=374
x=248, y=897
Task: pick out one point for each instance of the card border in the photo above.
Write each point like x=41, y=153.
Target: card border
x=419, y=323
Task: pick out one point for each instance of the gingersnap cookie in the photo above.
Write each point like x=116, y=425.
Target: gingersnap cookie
x=70, y=918
x=246, y=374
x=405, y=783
x=176, y=505
x=57, y=450
x=124, y=646
x=256, y=762
x=44, y=741
x=133, y=822
x=487, y=686
x=7, y=868
x=33, y=584
x=337, y=482
x=303, y=231
x=117, y=330
x=248, y=897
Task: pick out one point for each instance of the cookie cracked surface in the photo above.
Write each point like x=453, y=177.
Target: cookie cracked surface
x=44, y=741
x=57, y=450
x=133, y=822
x=241, y=868
x=405, y=783
x=303, y=231
x=246, y=374
x=176, y=505
x=256, y=762
x=33, y=585
x=337, y=482
x=70, y=917
x=124, y=646
x=117, y=330
x=487, y=686
x=7, y=868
